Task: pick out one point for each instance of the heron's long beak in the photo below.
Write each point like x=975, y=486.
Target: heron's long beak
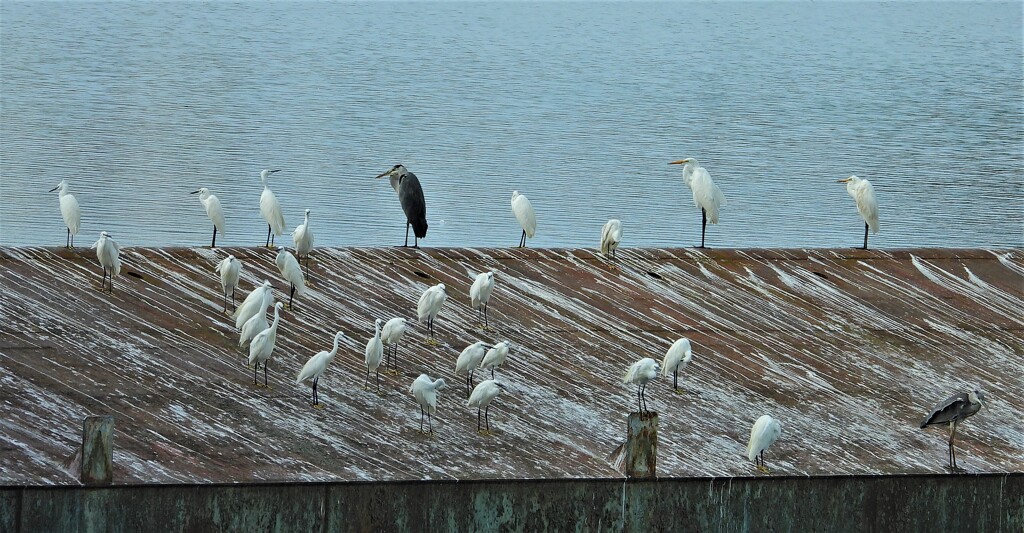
x=55, y=188
x=194, y=192
x=382, y=174
x=680, y=162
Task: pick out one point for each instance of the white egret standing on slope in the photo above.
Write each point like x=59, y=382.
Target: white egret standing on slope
x=262, y=346
x=481, y=399
x=251, y=305
x=480, y=293
x=109, y=255
x=952, y=411
x=303, y=239
x=495, y=356
x=410, y=195
x=676, y=359
x=374, y=353
x=640, y=374
x=424, y=390
x=213, y=210
x=257, y=323
x=706, y=195
x=314, y=368
x=270, y=208
x=611, y=236
x=765, y=431
x=523, y=210
x=429, y=306
x=229, y=269
x=69, y=210
x=469, y=360
x=291, y=272
x=864, y=194
x=391, y=335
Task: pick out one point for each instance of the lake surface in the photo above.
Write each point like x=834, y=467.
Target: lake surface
x=577, y=105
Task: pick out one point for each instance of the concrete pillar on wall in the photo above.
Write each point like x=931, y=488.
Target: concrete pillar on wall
x=98, y=450
x=641, y=448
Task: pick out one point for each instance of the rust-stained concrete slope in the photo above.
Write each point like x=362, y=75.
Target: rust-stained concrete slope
x=848, y=349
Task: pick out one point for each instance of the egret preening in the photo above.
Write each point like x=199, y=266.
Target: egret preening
x=314, y=368
x=481, y=399
x=213, y=210
x=523, y=210
x=469, y=360
x=676, y=359
x=303, y=239
x=390, y=335
x=864, y=194
x=262, y=346
x=374, y=353
x=291, y=272
x=640, y=373
x=270, y=208
x=952, y=411
x=495, y=356
x=611, y=236
x=429, y=305
x=706, y=195
x=480, y=293
x=109, y=255
x=424, y=390
x=410, y=195
x=252, y=304
x=229, y=269
x=69, y=210
x=257, y=323
x=765, y=431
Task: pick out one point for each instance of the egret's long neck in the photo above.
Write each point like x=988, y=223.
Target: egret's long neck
x=63, y=190
x=334, y=350
x=377, y=328
x=307, y=219
x=277, y=318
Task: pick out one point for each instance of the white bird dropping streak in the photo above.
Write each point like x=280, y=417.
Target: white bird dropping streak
x=864, y=194
x=69, y=211
x=676, y=359
x=391, y=335
x=109, y=255
x=213, y=210
x=429, y=306
x=523, y=210
x=480, y=294
x=640, y=374
x=314, y=369
x=262, y=346
x=481, y=398
x=765, y=431
x=270, y=208
x=374, y=354
x=230, y=269
x=424, y=390
x=611, y=236
x=302, y=237
x=291, y=272
x=706, y=195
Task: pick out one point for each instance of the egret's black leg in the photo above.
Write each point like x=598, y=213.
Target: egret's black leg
x=407, y=224
x=376, y=378
x=703, y=225
x=307, y=267
x=265, y=373
x=291, y=295
x=478, y=419
x=487, y=421
x=485, y=317
x=315, y=380
x=492, y=372
x=522, y=240
x=471, y=379
x=233, y=307
x=675, y=379
x=865, y=236
x=68, y=243
x=255, y=369
x=268, y=236
x=467, y=385
x=72, y=239
x=430, y=425
x=421, y=419
x=762, y=458
x=214, y=243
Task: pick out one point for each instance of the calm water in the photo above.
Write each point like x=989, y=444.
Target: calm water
x=577, y=105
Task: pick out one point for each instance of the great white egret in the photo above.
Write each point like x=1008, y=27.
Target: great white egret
x=410, y=195
x=213, y=210
x=952, y=411
x=109, y=255
x=481, y=398
x=314, y=368
x=480, y=293
x=303, y=239
x=864, y=194
x=706, y=195
x=69, y=210
x=523, y=210
x=252, y=304
x=469, y=360
x=291, y=272
x=611, y=236
x=495, y=357
x=229, y=269
x=640, y=373
x=391, y=335
x=676, y=359
x=429, y=306
x=374, y=353
x=257, y=323
x=262, y=346
x=270, y=208
x=424, y=390
x=765, y=431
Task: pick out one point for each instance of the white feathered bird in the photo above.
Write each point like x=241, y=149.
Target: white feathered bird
x=640, y=374
x=69, y=211
x=256, y=323
x=424, y=390
x=315, y=367
x=676, y=359
x=429, y=306
x=252, y=304
x=213, y=210
x=109, y=255
x=523, y=210
x=481, y=398
x=706, y=195
x=374, y=354
x=765, y=432
x=230, y=269
x=864, y=194
x=469, y=360
x=303, y=239
x=480, y=293
x=611, y=236
x=262, y=346
x=291, y=272
x=496, y=356
x=270, y=208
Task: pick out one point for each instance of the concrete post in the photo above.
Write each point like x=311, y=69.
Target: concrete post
x=642, y=445
x=98, y=450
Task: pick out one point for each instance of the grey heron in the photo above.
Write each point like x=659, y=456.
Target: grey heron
x=410, y=195
x=706, y=194
x=952, y=411
x=864, y=194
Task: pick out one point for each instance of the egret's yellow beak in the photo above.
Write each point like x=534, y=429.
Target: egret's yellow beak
x=680, y=162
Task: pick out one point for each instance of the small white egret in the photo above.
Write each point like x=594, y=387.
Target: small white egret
x=291, y=272
x=429, y=306
x=424, y=390
x=864, y=194
x=257, y=323
x=676, y=359
x=314, y=368
x=481, y=399
x=374, y=354
x=706, y=195
x=109, y=255
x=469, y=360
x=640, y=373
x=303, y=239
x=229, y=269
x=480, y=294
x=252, y=304
x=270, y=208
x=391, y=335
x=410, y=195
x=762, y=435
x=69, y=210
x=262, y=346
x=213, y=210
x=952, y=411
x=523, y=210
x=495, y=356
x=611, y=236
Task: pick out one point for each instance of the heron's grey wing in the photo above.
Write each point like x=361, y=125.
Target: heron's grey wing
x=947, y=410
x=410, y=195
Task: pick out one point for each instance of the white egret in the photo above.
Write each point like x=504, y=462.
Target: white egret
x=640, y=373
x=480, y=293
x=391, y=335
x=424, y=390
x=374, y=353
x=109, y=255
x=70, y=211
x=410, y=195
x=252, y=304
x=213, y=210
x=429, y=306
x=481, y=398
x=291, y=272
x=303, y=239
x=765, y=431
x=676, y=359
x=495, y=356
x=706, y=195
x=314, y=368
x=527, y=218
x=262, y=346
x=952, y=411
x=611, y=236
x=229, y=269
x=257, y=323
x=469, y=360
x=864, y=194
x=270, y=208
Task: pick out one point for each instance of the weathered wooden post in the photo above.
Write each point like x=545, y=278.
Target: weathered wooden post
x=642, y=445
x=98, y=450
